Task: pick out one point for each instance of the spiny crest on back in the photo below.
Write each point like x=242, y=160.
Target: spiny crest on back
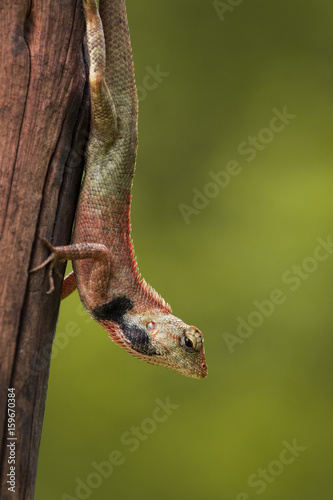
x=149, y=294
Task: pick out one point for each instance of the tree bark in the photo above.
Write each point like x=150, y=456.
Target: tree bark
x=44, y=127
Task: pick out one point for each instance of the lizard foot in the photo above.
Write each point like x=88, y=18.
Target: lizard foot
x=51, y=262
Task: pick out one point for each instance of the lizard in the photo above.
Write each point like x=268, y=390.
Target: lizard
x=105, y=270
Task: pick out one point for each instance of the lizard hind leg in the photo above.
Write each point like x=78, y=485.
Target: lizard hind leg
x=103, y=111
x=68, y=285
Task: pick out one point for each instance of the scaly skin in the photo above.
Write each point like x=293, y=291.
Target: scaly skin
x=105, y=270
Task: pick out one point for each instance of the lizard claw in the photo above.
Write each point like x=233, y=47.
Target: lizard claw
x=51, y=261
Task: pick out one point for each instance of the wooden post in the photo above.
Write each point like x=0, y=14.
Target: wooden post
x=43, y=131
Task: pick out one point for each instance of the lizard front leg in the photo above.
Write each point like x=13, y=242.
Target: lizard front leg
x=100, y=270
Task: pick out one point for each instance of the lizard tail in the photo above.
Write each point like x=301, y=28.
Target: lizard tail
x=119, y=72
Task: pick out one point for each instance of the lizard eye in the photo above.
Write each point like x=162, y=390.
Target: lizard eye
x=152, y=327
x=188, y=343
x=191, y=340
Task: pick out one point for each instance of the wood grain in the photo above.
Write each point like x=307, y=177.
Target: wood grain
x=44, y=127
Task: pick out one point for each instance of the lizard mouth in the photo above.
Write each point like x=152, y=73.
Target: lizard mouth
x=204, y=369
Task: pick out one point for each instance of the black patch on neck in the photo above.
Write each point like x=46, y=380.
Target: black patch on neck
x=114, y=310
x=137, y=338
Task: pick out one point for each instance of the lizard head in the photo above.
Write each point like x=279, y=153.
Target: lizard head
x=154, y=335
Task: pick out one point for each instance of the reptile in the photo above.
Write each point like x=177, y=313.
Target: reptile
x=105, y=270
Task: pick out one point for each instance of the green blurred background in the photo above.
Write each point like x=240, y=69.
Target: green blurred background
x=222, y=79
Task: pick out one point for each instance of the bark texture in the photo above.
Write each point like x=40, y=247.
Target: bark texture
x=43, y=131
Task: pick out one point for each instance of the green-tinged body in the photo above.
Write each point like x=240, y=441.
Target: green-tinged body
x=105, y=271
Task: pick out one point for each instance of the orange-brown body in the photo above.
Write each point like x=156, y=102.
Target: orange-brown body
x=105, y=270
